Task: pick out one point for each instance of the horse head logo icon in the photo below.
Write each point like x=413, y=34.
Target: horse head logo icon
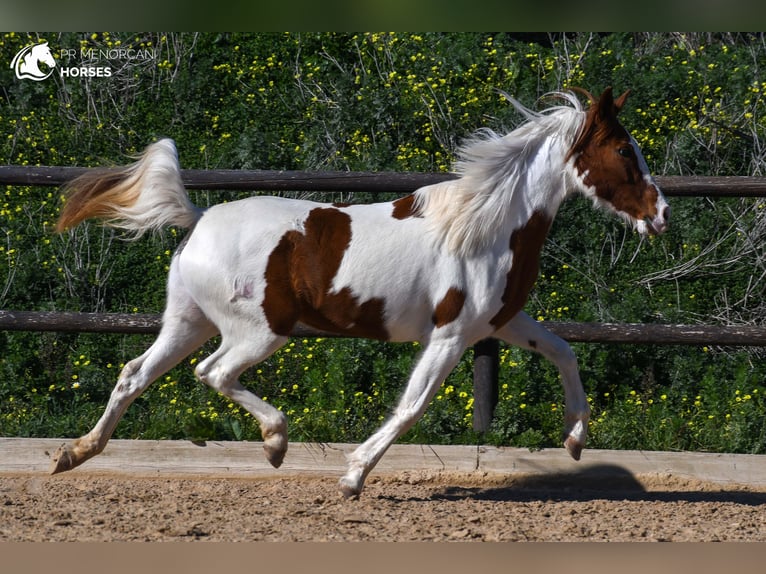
x=26, y=63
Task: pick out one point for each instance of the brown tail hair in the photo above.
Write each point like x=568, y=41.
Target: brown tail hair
x=145, y=195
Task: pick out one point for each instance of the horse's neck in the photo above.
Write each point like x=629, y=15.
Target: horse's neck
x=540, y=189
x=481, y=209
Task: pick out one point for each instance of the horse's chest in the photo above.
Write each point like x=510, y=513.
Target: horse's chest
x=525, y=245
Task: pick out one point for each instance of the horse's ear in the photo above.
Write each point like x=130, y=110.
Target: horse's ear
x=608, y=106
x=620, y=102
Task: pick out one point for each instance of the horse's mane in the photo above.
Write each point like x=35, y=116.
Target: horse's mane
x=465, y=213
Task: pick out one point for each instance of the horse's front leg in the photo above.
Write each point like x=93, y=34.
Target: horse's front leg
x=523, y=331
x=437, y=360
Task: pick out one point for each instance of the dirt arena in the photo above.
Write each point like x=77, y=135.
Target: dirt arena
x=402, y=507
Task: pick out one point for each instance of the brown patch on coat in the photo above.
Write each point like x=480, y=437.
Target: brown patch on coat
x=526, y=244
x=299, y=275
x=342, y=313
x=404, y=207
x=280, y=302
x=448, y=309
x=604, y=152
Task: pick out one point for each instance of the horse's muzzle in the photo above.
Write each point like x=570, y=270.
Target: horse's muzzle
x=661, y=222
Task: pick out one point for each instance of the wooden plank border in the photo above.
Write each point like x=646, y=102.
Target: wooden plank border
x=221, y=459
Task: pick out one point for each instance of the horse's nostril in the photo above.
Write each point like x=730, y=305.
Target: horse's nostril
x=666, y=213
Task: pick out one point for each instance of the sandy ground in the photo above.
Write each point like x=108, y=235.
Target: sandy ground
x=401, y=507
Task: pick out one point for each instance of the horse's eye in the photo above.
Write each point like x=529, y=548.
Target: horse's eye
x=625, y=151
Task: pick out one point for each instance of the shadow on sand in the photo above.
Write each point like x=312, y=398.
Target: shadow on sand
x=597, y=482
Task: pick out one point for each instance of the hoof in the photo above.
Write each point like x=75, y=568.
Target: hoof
x=352, y=483
x=275, y=441
x=573, y=447
x=275, y=448
x=348, y=491
x=275, y=457
x=62, y=460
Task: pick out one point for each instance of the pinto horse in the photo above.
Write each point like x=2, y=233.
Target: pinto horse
x=447, y=266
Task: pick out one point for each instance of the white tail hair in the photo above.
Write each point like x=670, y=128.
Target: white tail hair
x=147, y=195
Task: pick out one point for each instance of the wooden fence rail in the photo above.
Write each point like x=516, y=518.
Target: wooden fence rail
x=618, y=333
x=485, y=352
x=368, y=182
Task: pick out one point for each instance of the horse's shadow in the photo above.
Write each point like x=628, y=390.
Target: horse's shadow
x=595, y=482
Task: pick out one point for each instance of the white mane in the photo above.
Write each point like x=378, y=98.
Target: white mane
x=467, y=213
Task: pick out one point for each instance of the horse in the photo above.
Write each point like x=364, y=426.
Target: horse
x=448, y=265
x=26, y=63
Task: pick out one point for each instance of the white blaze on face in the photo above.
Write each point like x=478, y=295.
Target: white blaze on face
x=659, y=223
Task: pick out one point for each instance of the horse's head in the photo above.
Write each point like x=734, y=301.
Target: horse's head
x=26, y=62
x=612, y=169
x=42, y=53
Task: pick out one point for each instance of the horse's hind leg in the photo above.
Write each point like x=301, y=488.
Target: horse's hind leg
x=221, y=372
x=523, y=331
x=184, y=329
x=180, y=336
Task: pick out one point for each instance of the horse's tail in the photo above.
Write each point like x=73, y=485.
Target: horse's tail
x=143, y=196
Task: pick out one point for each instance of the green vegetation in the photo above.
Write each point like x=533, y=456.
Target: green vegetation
x=385, y=101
